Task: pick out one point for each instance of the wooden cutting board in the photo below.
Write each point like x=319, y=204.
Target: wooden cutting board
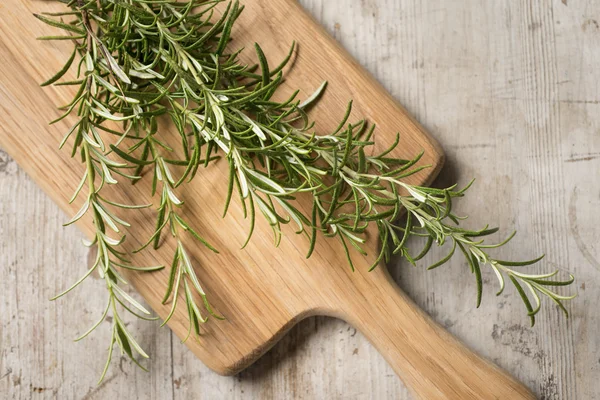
x=262, y=290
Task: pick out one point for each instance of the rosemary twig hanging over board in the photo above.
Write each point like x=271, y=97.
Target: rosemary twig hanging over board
x=136, y=60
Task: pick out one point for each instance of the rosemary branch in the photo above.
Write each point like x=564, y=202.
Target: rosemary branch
x=92, y=148
x=139, y=59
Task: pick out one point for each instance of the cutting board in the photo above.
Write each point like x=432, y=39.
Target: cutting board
x=261, y=290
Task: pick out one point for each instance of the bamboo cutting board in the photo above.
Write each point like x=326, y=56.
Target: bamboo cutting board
x=262, y=290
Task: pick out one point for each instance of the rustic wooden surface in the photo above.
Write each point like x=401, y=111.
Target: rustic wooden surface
x=509, y=90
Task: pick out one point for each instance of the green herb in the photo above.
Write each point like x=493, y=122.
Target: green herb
x=139, y=59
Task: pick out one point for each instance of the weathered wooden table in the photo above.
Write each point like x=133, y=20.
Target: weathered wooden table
x=509, y=88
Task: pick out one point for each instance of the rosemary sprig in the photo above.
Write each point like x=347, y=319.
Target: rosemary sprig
x=89, y=142
x=182, y=271
x=139, y=59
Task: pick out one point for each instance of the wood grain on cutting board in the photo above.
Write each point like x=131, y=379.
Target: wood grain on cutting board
x=261, y=290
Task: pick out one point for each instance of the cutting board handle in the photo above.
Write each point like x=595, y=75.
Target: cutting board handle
x=428, y=359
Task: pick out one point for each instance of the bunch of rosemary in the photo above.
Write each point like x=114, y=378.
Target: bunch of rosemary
x=138, y=59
